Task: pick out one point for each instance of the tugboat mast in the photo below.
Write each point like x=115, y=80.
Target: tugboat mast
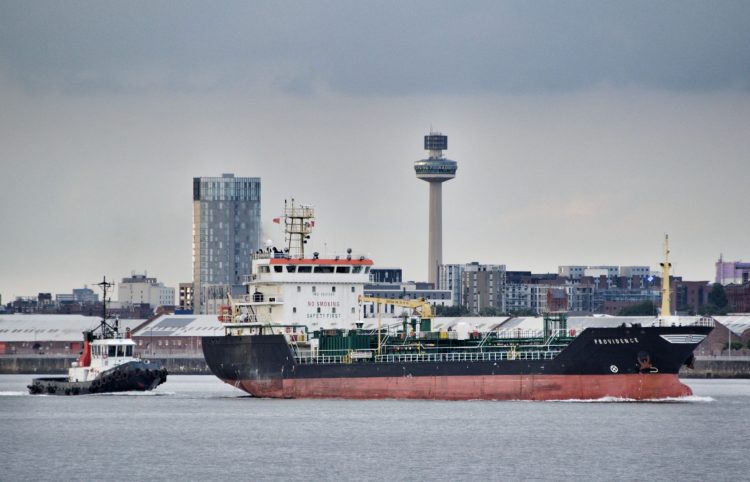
x=105, y=285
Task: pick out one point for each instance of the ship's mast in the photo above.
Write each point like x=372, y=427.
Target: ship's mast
x=665, y=291
x=106, y=327
x=299, y=221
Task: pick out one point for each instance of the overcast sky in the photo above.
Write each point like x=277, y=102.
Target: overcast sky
x=583, y=131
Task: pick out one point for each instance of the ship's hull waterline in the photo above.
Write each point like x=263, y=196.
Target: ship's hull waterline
x=487, y=387
x=599, y=363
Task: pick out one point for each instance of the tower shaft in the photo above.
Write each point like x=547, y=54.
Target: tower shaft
x=435, y=245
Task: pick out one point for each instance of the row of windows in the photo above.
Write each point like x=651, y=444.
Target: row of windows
x=112, y=350
x=293, y=268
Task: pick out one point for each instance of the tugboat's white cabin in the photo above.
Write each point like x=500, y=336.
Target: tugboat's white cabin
x=105, y=354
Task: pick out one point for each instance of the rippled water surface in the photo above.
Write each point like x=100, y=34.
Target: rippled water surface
x=196, y=428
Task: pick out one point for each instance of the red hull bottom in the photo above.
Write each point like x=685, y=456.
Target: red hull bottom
x=491, y=387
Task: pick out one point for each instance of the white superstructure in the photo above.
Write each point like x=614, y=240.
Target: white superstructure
x=288, y=288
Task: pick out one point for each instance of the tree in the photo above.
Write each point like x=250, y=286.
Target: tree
x=489, y=311
x=718, y=303
x=644, y=308
x=718, y=296
x=459, y=310
x=523, y=312
x=736, y=345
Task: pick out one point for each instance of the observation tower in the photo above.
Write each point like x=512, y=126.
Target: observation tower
x=435, y=170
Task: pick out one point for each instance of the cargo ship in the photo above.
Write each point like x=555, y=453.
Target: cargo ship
x=290, y=337
x=107, y=364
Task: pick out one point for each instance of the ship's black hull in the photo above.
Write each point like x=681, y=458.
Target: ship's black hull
x=599, y=362
x=131, y=376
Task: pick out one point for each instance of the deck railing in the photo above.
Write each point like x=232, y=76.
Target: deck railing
x=435, y=357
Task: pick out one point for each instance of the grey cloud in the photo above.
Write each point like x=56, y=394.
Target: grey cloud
x=376, y=49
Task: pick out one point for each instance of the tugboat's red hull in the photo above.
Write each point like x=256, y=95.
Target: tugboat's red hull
x=485, y=387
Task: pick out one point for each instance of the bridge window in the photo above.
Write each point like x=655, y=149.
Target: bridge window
x=129, y=350
x=356, y=269
x=343, y=269
x=304, y=269
x=278, y=269
x=291, y=268
x=112, y=350
x=324, y=269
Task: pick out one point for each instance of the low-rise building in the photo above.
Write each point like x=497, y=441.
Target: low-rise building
x=403, y=291
x=140, y=289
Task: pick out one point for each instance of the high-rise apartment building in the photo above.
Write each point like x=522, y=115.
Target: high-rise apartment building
x=226, y=232
x=449, y=278
x=483, y=286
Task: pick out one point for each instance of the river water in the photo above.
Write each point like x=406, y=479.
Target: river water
x=197, y=428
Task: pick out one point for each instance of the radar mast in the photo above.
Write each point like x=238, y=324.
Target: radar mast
x=299, y=220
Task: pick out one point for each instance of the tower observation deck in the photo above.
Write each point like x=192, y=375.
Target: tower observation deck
x=435, y=170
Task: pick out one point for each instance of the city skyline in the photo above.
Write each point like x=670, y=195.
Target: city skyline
x=585, y=132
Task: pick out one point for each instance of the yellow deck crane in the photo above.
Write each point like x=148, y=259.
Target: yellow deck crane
x=421, y=306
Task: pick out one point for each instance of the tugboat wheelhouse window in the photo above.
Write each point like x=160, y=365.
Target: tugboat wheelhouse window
x=112, y=350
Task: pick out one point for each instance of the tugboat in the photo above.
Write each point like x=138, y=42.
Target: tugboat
x=106, y=365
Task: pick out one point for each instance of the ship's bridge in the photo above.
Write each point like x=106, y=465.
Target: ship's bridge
x=284, y=268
